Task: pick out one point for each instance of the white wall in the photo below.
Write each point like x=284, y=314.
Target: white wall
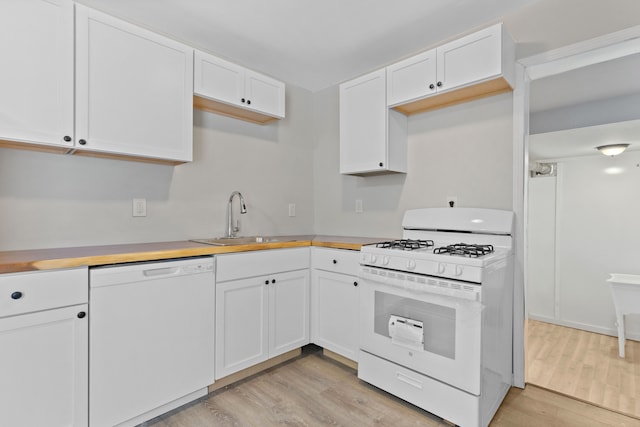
x=597, y=234
x=463, y=151
x=51, y=200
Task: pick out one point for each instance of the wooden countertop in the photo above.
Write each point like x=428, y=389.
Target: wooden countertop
x=46, y=259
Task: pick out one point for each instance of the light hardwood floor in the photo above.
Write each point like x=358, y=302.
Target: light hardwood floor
x=313, y=390
x=584, y=365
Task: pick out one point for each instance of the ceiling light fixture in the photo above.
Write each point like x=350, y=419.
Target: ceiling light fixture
x=612, y=149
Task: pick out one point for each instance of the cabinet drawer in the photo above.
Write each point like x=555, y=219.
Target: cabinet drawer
x=336, y=260
x=260, y=263
x=42, y=290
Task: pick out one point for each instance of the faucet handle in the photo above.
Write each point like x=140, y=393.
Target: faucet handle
x=237, y=226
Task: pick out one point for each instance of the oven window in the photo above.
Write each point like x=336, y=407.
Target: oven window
x=438, y=322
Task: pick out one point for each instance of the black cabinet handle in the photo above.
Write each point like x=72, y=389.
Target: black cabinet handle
x=243, y=100
x=355, y=283
x=82, y=142
x=335, y=261
x=81, y=315
x=273, y=280
x=67, y=138
x=266, y=282
x=380, y=164
x=249, y=101
x=16, y=295
x=432, y=86
x=439, y=84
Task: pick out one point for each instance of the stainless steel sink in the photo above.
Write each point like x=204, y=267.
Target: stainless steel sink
x=247, y=240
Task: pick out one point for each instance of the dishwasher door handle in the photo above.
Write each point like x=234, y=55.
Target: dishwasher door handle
x=166, y=271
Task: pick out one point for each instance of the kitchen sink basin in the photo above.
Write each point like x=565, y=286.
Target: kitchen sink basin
x=247, y=240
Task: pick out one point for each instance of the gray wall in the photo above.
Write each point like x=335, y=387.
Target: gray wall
x=463, y=151
x=51, y=200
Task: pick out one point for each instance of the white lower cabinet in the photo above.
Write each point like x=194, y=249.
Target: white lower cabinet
x=263, y=314
x=44, y=332
x=334, y=296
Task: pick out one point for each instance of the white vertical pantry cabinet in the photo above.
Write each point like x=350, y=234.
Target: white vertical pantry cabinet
x=262, y=306
x=335, y=300
x=226, y=88
x=44, y=337
x=134, y=90
x=36, y=79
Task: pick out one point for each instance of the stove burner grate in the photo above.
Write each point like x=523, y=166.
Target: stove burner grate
x=405, y=244
x=465, y=249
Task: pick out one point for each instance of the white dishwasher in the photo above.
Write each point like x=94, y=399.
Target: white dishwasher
x=151, y=338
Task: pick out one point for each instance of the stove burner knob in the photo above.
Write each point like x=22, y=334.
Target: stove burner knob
x=374, y=259
x=441, y=268
x=411, y=264
x=459, y=270
x=385, y=260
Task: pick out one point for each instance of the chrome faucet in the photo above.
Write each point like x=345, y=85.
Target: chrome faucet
x=231, y=229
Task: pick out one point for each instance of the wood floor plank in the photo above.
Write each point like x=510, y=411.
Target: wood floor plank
x=315, y=391
x=584, y=365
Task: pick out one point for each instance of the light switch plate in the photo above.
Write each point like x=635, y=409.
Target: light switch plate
x=292, y=209
x=139, y=207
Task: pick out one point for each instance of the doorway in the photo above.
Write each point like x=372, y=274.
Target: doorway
x=581, y=227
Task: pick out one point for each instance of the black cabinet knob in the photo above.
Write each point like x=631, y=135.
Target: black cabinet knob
x=335, y=261
x=355, y=283
x=81, y=315
x=439, y=84
x=432, y=86
x=273, y=280
x=67, y=138
x=249, y=101
x=266, y=282
x=381, y=164
x=82, y=142
x=16, y=295
x=243, y=100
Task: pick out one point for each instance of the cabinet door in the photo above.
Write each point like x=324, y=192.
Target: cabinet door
x=264, y=94
x=412, y=78
x=288, y=311
x=469, y=59
x=44, y=368
x=241, y=325
x=335, y=312
x=363, y=124
x=134, y=89
x=36, y=81
x=219, y=79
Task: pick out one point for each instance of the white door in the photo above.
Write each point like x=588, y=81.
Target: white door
x=134, y=89
x=36, y=101
x=264, y=94
x=242, y=337
x=218, y=79
x=44, y=368
x=288, y=311
x=412, y=78
x=363, y=124
x=335, y=312
x=475, y=57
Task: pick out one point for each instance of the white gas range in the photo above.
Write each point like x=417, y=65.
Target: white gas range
x=436, y=312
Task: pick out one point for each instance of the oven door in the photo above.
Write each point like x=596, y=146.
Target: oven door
x=437, y=335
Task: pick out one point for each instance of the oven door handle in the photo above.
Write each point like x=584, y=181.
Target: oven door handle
x=408, y=380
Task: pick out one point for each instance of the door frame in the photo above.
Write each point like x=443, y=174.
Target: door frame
x=589, y=52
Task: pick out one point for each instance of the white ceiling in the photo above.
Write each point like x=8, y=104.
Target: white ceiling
x=311, y=44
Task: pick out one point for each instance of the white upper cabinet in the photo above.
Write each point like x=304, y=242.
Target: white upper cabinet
x=477, y=65
x=225, y=88
x=134, y=90
x=373, y=139
x=36, y=82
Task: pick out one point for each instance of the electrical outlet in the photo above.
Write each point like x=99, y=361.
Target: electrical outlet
x=292, y=209
x=452, y=201
x=359, y=206
x=139, y=207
